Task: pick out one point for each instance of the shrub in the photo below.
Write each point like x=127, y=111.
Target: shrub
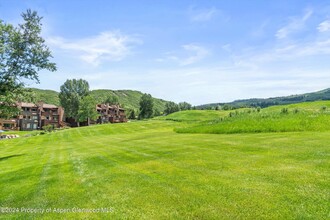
x=284, y=110
x=48, y=128
x=226, y=107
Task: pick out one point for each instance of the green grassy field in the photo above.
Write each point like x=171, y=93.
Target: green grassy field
x=314, y=116
x=146, y=170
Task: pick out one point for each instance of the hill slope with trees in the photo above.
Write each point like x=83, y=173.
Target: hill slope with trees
x=284, y=100
x=127, y=98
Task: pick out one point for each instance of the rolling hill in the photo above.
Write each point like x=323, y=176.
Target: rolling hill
x=258, y=102
x=127, y=98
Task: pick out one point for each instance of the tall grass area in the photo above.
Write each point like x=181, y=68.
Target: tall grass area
x=145, y=170
x=297, y=117
x=196, y=115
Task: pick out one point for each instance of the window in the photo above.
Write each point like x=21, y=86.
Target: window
x=34, y=126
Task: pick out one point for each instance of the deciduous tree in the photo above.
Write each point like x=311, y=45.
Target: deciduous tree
x=87, y=109
x=184, y=106
x=146, y=106
x=23, y=53
x=112, y=100
x=72, y=92
x=171, y=107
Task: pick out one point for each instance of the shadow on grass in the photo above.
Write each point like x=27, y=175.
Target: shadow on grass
x=8, y=157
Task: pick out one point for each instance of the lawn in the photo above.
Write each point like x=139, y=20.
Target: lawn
x=145, y=170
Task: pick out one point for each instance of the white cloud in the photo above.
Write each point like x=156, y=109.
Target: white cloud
x=200, y=15
x=189, y=54
x=295, y=24
x=324, y=26
x=290, y=52
x=227, y=48
x=199, y=53
x=107, y=46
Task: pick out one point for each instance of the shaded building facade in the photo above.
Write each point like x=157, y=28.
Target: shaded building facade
x=34, y=116
x=110, y=113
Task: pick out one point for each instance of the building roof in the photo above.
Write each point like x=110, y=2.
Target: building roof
x=26, y=104
x=29, y=105
x=106, y=106
x=49, y=106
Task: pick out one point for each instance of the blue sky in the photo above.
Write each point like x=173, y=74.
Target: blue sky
x=195, y=51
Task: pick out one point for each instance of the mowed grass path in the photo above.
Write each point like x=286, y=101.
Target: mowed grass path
x=144, y=170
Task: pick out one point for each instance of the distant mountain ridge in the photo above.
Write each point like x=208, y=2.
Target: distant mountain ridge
x=265, y=102
x=128, y=98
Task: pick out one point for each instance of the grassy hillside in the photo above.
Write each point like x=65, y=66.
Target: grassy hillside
x=313, y=116
x=307, y=97
x=128, y=98
x=47, y=96
x=144, y=170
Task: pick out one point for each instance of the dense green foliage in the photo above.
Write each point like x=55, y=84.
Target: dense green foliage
x=112, y=100
x=307, y=97
x=131, y=114
x=46, y=96
x=146, y=106
x=86, y=111
x=129, y=99
x=171, y=107
x=48, y=128
x=144, y=170
x=23, y=53
x=184, y=106
x=72, y=92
